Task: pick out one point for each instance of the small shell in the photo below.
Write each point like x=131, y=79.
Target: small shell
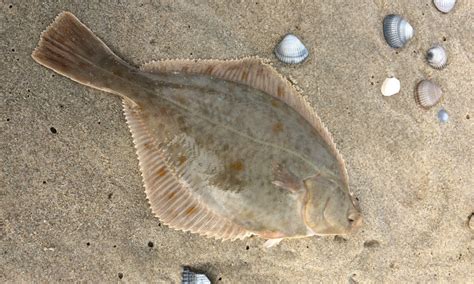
x=428, y=93
x=190, y=277
x=470, y=221
x=443, y=115
x=291, y=50
x=444, y=6
x=390, y=87
x=397, y=31
x=437, y=57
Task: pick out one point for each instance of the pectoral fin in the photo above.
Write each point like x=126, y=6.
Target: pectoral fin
x=271, y=242
x=284, y=178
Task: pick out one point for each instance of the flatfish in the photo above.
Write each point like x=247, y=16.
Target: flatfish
x=227, y=149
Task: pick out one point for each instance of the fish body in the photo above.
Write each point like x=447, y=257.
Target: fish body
x=227, y=149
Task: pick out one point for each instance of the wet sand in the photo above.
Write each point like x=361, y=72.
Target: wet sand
x=73, y=206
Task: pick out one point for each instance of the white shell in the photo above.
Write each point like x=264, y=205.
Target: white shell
x=443, y=115
x=436, y=57
x=390, y=87
x=428, y=93
x=444, y=6
x=397, y=31
x=291, y=50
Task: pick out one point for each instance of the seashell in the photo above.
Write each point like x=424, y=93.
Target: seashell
x=428, y=93
x=291, y=50
x=190, y=277
x=444, y=6
x=390, y=87
x=470, y=221
x=436, y=57
x=397, y=31
x=443, y=115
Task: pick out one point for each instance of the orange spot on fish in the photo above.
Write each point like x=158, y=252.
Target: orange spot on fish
x=237, y=166
x=277, y=127
x=171, y=195
x=280, y=91
x=182, y=159
x=275, y=103
x=162, y=171
x=147, y=145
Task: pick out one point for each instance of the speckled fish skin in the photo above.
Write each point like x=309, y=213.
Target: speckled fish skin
x=219, y=157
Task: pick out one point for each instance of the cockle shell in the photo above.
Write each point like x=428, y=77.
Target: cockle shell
x=428, y=93
x=397, y=31
x=291, y=50
x=390, y=87
x=437, y=57
x=227, y=149
x=444, y=6
x=190, y=277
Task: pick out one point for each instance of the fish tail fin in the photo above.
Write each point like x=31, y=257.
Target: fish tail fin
x=69, y=48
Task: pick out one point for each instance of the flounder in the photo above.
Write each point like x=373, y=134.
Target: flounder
x=227, y=149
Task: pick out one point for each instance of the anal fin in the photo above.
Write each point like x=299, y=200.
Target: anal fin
x=171, y=197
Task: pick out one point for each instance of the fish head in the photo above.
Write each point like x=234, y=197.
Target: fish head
x=329, y=208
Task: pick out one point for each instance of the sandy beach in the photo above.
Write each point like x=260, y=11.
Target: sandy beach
x=73, y=207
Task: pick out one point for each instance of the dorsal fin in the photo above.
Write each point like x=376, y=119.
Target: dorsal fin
x=259, y=75
x=171, y=198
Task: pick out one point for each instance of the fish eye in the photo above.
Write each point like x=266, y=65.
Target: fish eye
x=352, y=218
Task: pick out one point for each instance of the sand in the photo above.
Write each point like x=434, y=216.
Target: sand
x=73, y=206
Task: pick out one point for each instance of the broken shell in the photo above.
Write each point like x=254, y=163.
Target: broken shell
x=397, y=31
x=428, y=93
x=444, y=6
x=437, y=57
x=390, y=87
x=443, y=115
x=291, y=50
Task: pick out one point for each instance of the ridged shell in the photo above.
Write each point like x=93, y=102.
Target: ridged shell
x=428, y=93
x=443, y=115
x=390, y=87
x=397, y=31
x=190, y=277
x=291, y=50
x=437, y=57
x=444, y=6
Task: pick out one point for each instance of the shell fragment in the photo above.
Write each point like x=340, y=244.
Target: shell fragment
x=390, y=87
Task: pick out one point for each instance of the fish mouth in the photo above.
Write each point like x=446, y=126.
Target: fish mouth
x=354, y=219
